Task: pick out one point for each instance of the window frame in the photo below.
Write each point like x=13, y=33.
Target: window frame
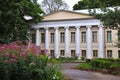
x=83, y=53
x=52, y=53
x=109, y=36
x=73, y=53
x=52, y=37
x=95, y=53
x=62, y=53
x=72, y=37
x=62, y=37
x=42, y=37
x=83, y=37
x=109, y=53
x=94, y=36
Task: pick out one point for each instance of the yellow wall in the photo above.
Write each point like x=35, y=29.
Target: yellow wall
x=83, y=46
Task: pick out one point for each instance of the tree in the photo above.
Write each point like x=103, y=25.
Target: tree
x=13, y=25
x=90, y=4
x=50, y=6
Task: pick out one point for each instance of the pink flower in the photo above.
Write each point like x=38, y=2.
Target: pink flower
x=14, y=56
x=7, y=61
x=7, y=54
x=12, y=60
x=23, y=54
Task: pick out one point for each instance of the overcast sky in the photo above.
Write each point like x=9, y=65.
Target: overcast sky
x=69, y=2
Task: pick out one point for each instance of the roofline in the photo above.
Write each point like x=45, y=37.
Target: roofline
x=66, y=11
x=67, y=19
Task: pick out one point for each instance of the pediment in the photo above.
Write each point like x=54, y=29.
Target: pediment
x=66, y=15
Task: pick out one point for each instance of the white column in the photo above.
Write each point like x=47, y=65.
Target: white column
x=67, y=41
x=101, y=50
x=89, y=49
x=56, y=43
x=77, y=38
x=46, y=38
x=37, y=37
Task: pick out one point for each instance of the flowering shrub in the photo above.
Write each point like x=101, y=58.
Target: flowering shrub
x=18, y=62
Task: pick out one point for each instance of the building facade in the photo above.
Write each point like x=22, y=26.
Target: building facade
x=71, y=34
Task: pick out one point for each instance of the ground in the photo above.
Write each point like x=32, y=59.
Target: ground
x=73, y=74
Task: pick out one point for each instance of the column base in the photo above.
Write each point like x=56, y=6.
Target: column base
x=57, y=56
x=79, y=57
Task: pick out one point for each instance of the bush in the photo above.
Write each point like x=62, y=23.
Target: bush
x=111, y=66
x=18, y=62
x=83, y=58
x=84, y=66
x=118, y=61
x=100, y=64
x=66, y=59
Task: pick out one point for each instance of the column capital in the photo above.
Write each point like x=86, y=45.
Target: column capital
x=88, y=26
x=46, y=28
x=66, y=27
x=101, y=25
x=77, y=26
x=56, y=27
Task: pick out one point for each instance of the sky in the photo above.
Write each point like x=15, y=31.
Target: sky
x=69, y=2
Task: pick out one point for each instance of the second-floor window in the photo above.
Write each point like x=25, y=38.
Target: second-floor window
x=62, y=37
x=52, y=38
x=72, y=37
x=42, y=37
x=109, y=36
x=94, y=36
x=83, y=36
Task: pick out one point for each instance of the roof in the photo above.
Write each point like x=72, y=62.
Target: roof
x=66, y=15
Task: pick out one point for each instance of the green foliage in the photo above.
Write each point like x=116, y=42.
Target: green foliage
x=89, y=4
x=84, y=66
x=17, y=62
x=12, y=22
x=111, y=66
x=83, y=58
x=100, y=64
x=66, y=59
x=111, y=19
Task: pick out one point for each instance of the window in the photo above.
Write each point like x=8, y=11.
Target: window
x=95, y=53
x=52, y=38
x=42, y=37
x=109, y=36
x=118, y=53
x=109, y=53
x=83, y=53
x=62, y=37
x=72, y=37
x=52, y=54
x=73, y=53
x=94, y=36
x=83, y=36
x=62, y=52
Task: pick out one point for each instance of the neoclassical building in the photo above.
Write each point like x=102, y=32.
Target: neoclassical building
x=70, y=34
